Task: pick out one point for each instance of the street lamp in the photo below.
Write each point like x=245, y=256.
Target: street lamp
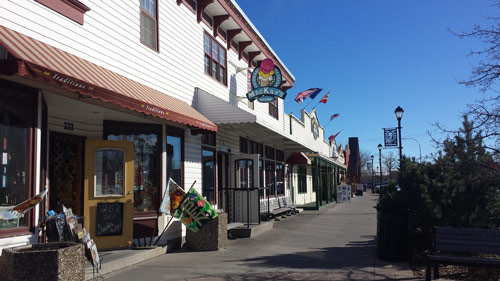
x=372, y=173
x=399, y=114
x=380, y=163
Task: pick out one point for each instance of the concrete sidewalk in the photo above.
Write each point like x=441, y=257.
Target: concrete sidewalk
x=335, y=243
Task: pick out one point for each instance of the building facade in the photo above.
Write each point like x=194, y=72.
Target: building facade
x=103, y=101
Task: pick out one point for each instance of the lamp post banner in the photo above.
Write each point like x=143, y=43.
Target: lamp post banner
x=391, y=136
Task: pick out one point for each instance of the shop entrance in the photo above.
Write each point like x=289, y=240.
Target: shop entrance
x=66, y=172
x=244, y=188
x=109, y=192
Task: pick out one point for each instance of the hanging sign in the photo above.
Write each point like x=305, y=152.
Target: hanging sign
x=266, y=80
x=390, y=137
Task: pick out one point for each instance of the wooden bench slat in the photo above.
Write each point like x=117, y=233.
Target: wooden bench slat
x=464, y=260
x=468, y=232
x=478, y=245
x=465, y=241
x=467, y=249
x=468, y=237
x=476, y=241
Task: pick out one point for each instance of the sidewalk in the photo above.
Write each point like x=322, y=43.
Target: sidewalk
x=334, y=243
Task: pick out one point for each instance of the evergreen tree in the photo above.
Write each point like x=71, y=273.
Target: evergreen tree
x=467, y=181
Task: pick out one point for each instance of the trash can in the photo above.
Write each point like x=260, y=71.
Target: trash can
x=50, y=261
x=359, y=189
x=392, y=234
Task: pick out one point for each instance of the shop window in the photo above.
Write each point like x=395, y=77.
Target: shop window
x=147, y=160
x=269, y=152
x=280, y=179
x=149, y=23
x=270, y=178
x=256, y=148
x=175, y=146
x=17, y=120
x=301, y=179
x=72, y=9
x=273, y=108
x=215, y=59
x=208, y=173
x=243, y=145
x=209, y=139
x=280, y=155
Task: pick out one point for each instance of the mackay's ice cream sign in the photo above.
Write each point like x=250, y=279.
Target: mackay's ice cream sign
x=266, y=80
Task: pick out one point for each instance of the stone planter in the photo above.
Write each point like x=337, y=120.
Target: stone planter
x=51, y=261
x=211, y=237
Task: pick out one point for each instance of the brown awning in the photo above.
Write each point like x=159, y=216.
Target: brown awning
x=43, y=62
x=298, y=158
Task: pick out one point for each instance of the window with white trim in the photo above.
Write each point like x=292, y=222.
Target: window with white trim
x=149, y=23
x=215, y=59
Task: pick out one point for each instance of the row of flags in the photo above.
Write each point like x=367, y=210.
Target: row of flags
x=311, y=94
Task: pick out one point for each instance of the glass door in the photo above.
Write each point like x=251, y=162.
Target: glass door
x=109, y=192
x=244, y=188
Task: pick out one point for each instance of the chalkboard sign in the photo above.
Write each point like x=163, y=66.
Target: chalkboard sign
x=109, y=219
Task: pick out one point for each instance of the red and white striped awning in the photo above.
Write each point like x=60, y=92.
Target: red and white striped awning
x=43, y=62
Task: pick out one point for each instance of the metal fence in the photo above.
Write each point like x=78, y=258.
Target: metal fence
x=243, y=205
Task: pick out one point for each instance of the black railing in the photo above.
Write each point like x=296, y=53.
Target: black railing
x=243, y=205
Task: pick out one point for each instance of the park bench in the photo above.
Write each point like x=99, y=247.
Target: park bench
x=275, y=210
x=463, y=246
x=287, y=203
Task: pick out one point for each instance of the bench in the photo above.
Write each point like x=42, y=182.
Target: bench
x=286, y=202
x=275, y=210
x=462, y=246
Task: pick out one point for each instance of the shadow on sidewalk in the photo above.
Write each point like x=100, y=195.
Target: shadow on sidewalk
x=355, y=261
x=354, y=254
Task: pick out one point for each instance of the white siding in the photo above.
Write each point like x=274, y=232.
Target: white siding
x=192, y=161
x=309, y=196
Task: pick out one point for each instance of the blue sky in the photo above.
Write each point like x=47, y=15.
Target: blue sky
x=375, y=56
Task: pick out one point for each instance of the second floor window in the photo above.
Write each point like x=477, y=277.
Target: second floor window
x=149, y=23
x=215, y=59
x=273, y=108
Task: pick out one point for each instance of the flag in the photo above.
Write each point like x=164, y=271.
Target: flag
x=334, y=116
x=305, y=94
x=314, y=94
x=332, y=137
x=22, y=208
x=324, y=99
x=172, y=197
x=194, y=210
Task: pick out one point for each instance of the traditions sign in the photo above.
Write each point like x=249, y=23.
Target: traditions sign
x=266, y=80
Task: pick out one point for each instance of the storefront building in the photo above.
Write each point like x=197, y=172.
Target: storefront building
x=87, y=121
x=316, y=173
x=103, y=102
